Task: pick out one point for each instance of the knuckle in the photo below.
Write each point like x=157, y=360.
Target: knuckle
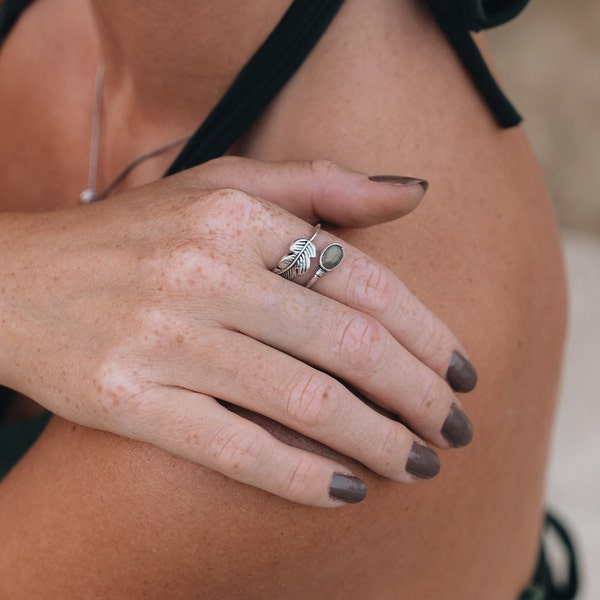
x=301, y=480
x=119, y=392
x=370, y=286
x=234, y=449
x=324, y=174
x=360, y=345
x=160, y=328
x=310, y=401
x=232, y=205
x=426, y=394
x=386, y=450
x=223, y=199
x=323, y=169
x=183, y=268
x=217, y=212
x=428, y=339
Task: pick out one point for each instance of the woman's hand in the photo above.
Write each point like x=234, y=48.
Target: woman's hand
x=133, y=315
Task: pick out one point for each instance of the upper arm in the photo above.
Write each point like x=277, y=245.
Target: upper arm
x=92, y=514
x=86, y=510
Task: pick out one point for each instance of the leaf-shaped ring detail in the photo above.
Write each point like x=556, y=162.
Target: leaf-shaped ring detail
x=298, y=261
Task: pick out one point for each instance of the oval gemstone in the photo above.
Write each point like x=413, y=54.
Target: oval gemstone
x=331, y=257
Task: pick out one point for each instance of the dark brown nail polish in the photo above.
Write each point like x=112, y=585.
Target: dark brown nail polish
x=457, y=428
x=461, y=374
x=399, y=180
x=423, y=462
x=347, y=488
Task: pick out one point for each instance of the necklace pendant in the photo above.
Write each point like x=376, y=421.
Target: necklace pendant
x=87, y=196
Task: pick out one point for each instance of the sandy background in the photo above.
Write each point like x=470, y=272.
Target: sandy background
x=549, y=60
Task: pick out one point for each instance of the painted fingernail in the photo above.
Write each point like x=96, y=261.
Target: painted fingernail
x=399, y=180
x=461, y=375
x=423, y=462
x=347, y=488
x=457, y=428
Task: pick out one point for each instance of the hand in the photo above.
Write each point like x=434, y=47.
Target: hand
x=134, y=314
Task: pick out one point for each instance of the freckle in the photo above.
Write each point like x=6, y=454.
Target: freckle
x=116, y=402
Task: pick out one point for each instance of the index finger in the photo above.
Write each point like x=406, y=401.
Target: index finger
x=317, y=190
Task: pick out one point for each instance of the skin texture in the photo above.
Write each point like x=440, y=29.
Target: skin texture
x=97, y=514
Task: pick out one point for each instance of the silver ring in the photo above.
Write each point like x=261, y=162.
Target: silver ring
x=297, y=262
x=302, y=250
x=329, y=260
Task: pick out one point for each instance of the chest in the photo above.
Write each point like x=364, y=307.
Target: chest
x=46, y=90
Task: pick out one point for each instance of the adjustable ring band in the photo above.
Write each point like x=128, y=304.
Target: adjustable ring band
x=329, y=260
x=298, y=261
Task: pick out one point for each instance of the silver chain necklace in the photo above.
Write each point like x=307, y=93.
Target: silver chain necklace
x=91, y=194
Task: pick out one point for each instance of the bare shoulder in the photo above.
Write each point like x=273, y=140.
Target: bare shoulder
x=382, y=93
x=146, y=517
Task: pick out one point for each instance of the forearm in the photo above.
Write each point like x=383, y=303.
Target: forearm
x=15, y=268
x=107, y=501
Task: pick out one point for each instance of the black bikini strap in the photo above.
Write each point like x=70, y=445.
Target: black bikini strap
x=455, y=18
x=10, y=11
x=547, y=583
x=259, y=81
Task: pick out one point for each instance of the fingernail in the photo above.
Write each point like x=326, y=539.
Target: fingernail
x=347, y=488
x=457, y=428
x=461, y=374
x=399, y=180
x=423, y=462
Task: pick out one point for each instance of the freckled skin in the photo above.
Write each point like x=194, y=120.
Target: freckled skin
x=156, y=526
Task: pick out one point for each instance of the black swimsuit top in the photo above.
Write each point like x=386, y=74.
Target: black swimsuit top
x=289, y=44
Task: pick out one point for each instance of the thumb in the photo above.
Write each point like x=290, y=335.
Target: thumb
x=317, y=190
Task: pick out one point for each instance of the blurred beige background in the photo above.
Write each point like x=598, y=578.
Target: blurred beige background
x=549, y=61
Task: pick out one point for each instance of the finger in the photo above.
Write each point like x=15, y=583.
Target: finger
x=196, y=427
x=310, y=402
x=358, y=283
x=358, y=349
x=316, y=190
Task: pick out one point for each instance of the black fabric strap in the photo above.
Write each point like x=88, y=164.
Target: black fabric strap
x=259, y=81
x=289, y=44
x=455, y=20
x=10, y=11
x=546, y=584
x=483, y=14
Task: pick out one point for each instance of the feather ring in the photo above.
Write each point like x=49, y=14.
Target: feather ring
x=298, y=261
